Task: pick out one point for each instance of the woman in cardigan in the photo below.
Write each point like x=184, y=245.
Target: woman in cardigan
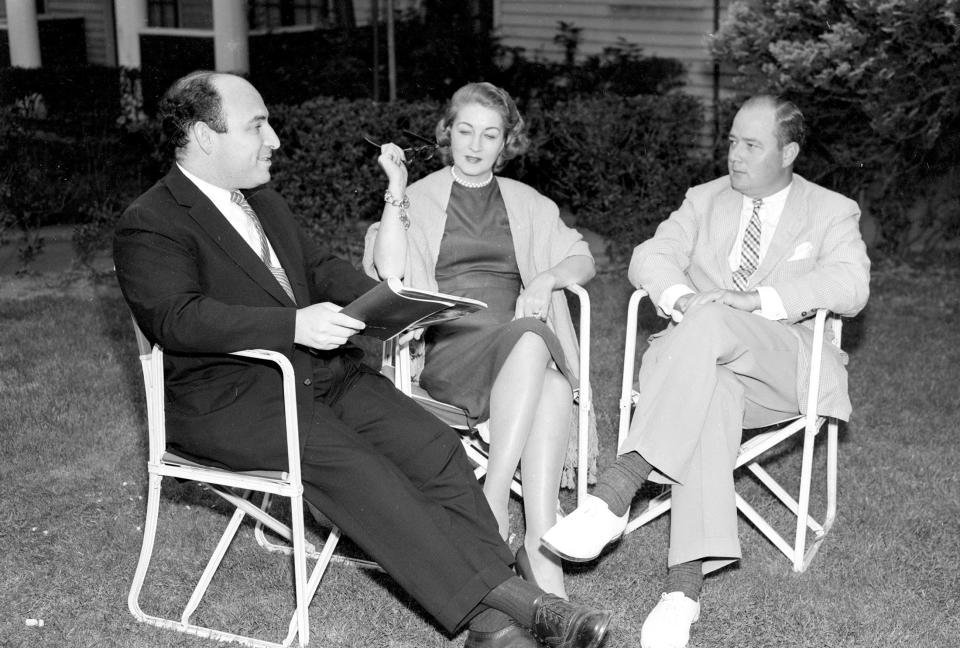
x=464, y=231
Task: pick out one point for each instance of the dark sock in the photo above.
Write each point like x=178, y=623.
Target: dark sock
x=687, y=578
x=621, y=481
x=489, y=620
x=516, y=598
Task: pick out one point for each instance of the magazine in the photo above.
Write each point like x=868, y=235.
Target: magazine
x=390, y=308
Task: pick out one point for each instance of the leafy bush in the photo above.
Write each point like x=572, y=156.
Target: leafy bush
x=619, y=164
x=328, y=173
x=620, y=70
x=54, y=173
x=74, y=94
x=880, y=85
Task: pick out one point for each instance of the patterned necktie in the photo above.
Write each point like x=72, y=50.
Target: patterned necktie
x=277, y=271
x=750, y=249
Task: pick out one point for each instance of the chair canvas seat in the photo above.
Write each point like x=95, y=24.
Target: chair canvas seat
x=755, y=446
x=173, y=459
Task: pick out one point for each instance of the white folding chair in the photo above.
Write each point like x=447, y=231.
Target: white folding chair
x=396, y=365
x=754, y=447
x=235, y=488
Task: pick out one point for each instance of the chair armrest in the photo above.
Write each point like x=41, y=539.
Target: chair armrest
x=291, y=421
x=629, y=355
x=583, y=396
x=583, y=389
x=822, y=319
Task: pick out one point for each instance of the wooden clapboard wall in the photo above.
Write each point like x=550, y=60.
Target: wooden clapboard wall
x=676, y=29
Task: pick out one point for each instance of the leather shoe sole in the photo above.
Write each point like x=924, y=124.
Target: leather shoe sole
x=512, y=636
x=561, y=624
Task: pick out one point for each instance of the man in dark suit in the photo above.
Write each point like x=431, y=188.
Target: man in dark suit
x=206, y=270
x=741, y=267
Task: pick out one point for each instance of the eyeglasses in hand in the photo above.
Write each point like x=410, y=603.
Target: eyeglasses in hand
x=422, y=152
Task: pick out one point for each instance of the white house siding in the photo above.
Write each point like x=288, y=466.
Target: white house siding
x=670, y=28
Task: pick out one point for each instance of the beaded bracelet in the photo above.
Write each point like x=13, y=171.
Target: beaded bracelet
x=403, y=204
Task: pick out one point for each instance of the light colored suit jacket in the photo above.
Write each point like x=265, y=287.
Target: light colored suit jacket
x=816, y=259
x=540, y=239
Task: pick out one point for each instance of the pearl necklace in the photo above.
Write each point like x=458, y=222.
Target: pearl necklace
x=468, y=184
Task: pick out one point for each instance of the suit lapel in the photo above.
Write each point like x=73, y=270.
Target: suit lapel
x=725, y=222
x=222, y=233
x=792, y=221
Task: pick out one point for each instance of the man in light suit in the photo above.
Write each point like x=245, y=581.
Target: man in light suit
x=740, y=268
x=207, y=270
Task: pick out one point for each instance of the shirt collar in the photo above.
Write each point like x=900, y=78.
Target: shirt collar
x=217, y=195
x=773, y=203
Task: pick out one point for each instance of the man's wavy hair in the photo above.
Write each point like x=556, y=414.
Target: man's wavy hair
x=791, y=126
x=189, y=100
x=489, y=96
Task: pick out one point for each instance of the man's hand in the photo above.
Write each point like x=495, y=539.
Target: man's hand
x=323, y=326
x=745, y=301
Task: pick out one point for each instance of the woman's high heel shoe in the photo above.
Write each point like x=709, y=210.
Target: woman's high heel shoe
x=522, y=565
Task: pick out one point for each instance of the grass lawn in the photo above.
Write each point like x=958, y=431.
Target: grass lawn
x=73, y=480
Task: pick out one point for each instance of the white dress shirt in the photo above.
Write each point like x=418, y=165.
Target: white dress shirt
x=771, y=306
x=233, y=213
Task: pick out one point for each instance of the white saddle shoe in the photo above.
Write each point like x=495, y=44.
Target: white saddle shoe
x=668, y=624
x=583, y=534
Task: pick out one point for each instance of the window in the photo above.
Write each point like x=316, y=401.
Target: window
x=163, y=13
x=266, y=14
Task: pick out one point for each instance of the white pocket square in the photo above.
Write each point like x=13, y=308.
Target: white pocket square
x=803, y=251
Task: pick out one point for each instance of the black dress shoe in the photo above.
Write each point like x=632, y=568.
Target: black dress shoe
x=561, y=624
x=522, y=565
x=512, y=636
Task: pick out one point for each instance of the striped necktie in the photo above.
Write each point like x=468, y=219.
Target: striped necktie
x=750, y=248
x=277, y=270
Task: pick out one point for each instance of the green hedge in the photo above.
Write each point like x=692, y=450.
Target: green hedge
x=329, y=173
x=619, y=165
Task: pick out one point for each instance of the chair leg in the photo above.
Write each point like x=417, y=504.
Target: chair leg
x=300, y=570
x=146, y=548
x=265, y=519
x=803, y=500
x=212, y=565
x=832, y=451
x=831, y=512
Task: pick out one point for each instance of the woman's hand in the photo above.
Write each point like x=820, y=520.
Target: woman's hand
x=393, y=162
x=534, y=300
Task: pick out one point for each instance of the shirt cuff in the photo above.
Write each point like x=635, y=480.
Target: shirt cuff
x=669, y=297
x=771, y=306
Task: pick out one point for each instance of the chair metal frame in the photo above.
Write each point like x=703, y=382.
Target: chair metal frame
x=752, y=449
x=227, y=484
x=396, y=366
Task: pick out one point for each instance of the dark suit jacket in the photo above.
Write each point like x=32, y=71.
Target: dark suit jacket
x=196, y=287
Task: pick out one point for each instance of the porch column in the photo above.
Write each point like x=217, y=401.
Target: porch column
x=23, y=32
x=231, y=44
x=131, y=17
